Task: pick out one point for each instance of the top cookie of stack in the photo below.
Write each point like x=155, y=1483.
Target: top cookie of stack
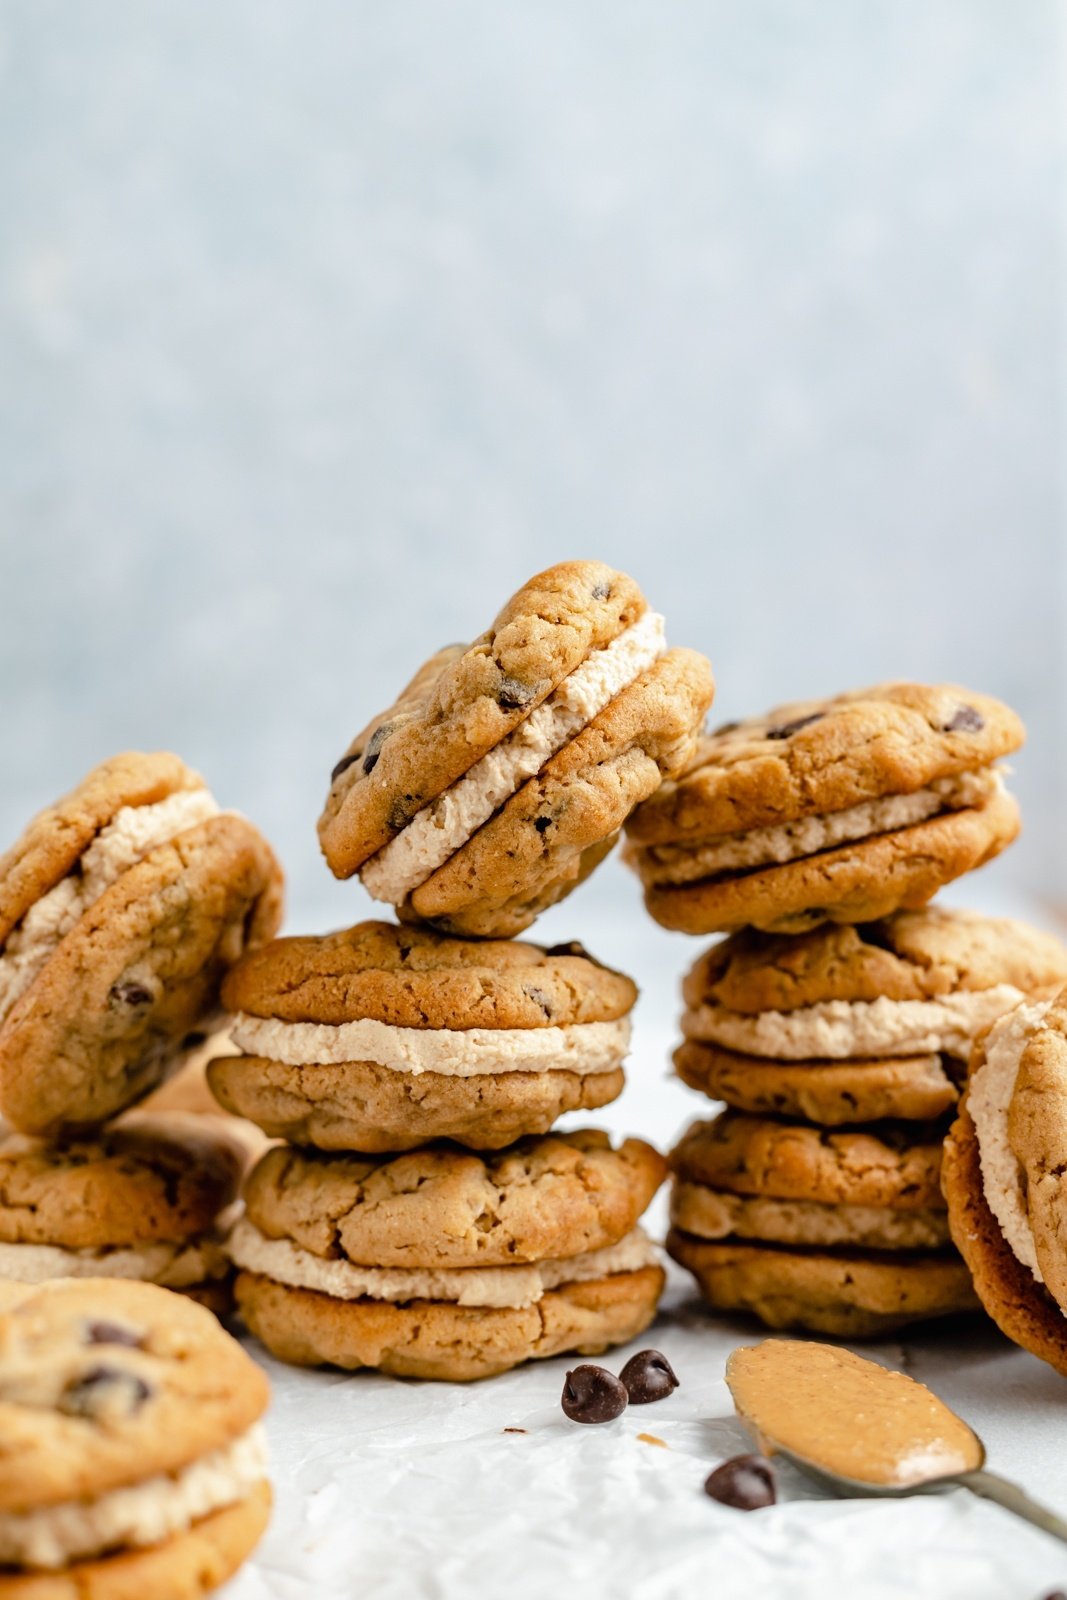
x=503, y=772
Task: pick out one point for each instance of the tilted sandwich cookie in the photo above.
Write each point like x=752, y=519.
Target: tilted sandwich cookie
x=843, y=1233
x=839, y=810
x=382, y=1037
x=121, y=907
x=445, y=1264
x=1004, y=1176
x=131, y=1457
x=143, y=1199
x=503, y=772
x=850, y=1023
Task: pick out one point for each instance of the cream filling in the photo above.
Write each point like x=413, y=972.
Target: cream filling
x=173, y=1266
x=142, y=1514
x=789, y=841
x=442, y=827
x=989, y=1093
x=836, y=1030
x=582, y=1047
x=130, y=835
x=512, y=1287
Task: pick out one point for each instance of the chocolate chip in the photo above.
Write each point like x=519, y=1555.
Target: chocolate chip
x=593, y=1394
x=571, y=948
x=104, y=1389
x=193, y=1041
x=401, y=812
x=343, y=765
x=130, y=994
x=724, y=727
x=513, y=695
x=111, y=1333
x=539, y=998
x=374, y=745
x=542, y=824
x=745, y=1482
x=648, y=1376
x=965, y=720
x=785, y=730
x=602, y=591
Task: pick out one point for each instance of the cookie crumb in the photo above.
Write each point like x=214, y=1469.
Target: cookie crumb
x=516, y=1430
x=650, y=1438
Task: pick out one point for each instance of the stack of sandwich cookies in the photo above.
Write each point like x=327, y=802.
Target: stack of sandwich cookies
x=442, y=1263
x=844, y=1233
x=121, y=907
x=840, y=810
x=504, y=771
x=381, y=1038
x=133, y=1459
x=146, y=1199
x=1004, y=1176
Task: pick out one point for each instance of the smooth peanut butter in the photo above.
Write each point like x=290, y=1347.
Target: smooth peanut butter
x=847, y=1415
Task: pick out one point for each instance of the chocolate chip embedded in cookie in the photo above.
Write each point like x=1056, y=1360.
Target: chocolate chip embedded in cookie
x=445, y=1264
x=132, y=1451
x=381, y=1038
x=120, y=910
x=842, y=810
x=505, y=770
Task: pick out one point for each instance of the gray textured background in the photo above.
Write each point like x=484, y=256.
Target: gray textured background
x=322, y=327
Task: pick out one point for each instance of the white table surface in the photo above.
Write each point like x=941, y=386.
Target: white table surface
x=413, y=1491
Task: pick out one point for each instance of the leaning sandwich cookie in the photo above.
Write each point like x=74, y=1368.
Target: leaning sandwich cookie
x=445, y=1264
x=121, y=908
x=852, y=1023
x=504, y=771
x=381, y=1038
x=133, y=1459
x=840, y=810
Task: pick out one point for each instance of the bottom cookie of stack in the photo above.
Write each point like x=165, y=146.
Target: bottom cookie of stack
x=844, y=1233
x=441, y=1263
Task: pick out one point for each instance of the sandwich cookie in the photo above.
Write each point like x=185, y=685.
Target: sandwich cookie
x=1004, y=1177
x=839, y=810
x=842, y=1233
x=146, y=1199
x=852, y=1023
x=133, y=1461
x=381, y=1038
x=503, y=773
x=121, y=907
x=445, y=1264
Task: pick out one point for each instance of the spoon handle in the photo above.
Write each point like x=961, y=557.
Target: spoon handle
x=1007, y=1494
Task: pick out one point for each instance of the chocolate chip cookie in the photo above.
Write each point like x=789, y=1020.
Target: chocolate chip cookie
x=380, y=1038
x=840, y=810
x=505, y=770
x=446, y=1264
x=121, y=908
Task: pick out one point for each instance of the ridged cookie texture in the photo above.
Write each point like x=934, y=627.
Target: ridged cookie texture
x=840, y=810
x=443, y=1263
x=505, y=770
x=1003, y=1177
x=121, y=909
x=381, y=1038
x=840, y=1232
x=130, y=1451
x=852, y=1023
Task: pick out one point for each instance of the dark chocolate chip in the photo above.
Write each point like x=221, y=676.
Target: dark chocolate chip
x=1055, y=1594
x=571, y=948
x=374, y=745
x=513, y=695
x=539, y=998
x=965, y=720
x=648, y=1376
x=724, y=727
x=542, y=824
x=602, y=591
x=102, y=1389
x=130, y=994
x=193, y=1041
x=401, y=812
x=111, y=1333
x=745, y=1482
x=343, y=765
x=785, y=730
x=593, y=1394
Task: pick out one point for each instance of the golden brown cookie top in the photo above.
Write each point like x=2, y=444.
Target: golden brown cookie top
x=541, y=1199
x=913, y=955
x=896, y=1165
x=148, y=1179
x=465, y=699
x=412, y=977
x=820, y=756
x=106, y=1383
